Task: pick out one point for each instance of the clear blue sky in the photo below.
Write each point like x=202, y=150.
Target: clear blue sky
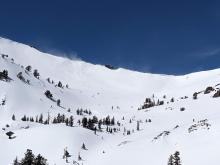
x=172, y=37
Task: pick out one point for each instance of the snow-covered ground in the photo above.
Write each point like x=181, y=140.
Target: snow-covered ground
x=193, y=131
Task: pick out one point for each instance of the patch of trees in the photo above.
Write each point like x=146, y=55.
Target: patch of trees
x=148, y=103
x=148, y=120
x=217, y=94
x=35, y=72
x=159, y=102
x=69, y=121
x=31, y=159
x=59, y=84
x=203, y=124
x=21, y=77
x=93, y=123
x=174, y=159
x=96, y=124
x=185, y=97
x=110, y=67
x=60, y=118
x=37, y=119
x=151, y=103
x=164, y=133
x=4, y=76
x=208, y=90
x=49, y=95
x=83, y=112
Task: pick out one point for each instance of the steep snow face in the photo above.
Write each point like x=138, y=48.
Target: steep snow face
x=100, y=88
x=174, y=125
x=103, y=86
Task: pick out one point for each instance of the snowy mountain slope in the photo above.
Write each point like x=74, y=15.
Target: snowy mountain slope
x=117, y=93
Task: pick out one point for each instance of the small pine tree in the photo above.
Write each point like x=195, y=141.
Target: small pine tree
x=79, y=157
x=58, y=102
x=5, y=73
x=95, y=130
x=16, y=162
x=67, y=121
x=36, y=74
x=60, y=84
x=28, y=68
x=71, y=121
x=36, y=119
x=48, y=80
x=41, y=118
x=48, y=94
x=138, y=125
x=100, y=124
x=84, y=146
x=113, y=121
x=66, y=155
x=195, y=95
x=13, y=117
x=24, y=118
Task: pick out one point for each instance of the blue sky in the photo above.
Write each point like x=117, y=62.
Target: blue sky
x=170, y=37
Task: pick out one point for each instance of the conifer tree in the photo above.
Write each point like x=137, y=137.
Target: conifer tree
x=40, y=160
x=58, y=102
x=138, y=125
x=170, y=160
x=13, y=117
x=28, y=68
x=79, y=157
x=176, y=158
x=36, y=74
x=84, y=146
x=71, y=121
x=41, y=118
x=60, y=84
x=28, y=158
x=84, y=122
x=16, y=161
x=113, y=121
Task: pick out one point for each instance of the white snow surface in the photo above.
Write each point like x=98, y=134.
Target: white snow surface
x=98, y=88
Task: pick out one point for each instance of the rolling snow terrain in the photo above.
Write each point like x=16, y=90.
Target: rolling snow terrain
x=150, y=116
